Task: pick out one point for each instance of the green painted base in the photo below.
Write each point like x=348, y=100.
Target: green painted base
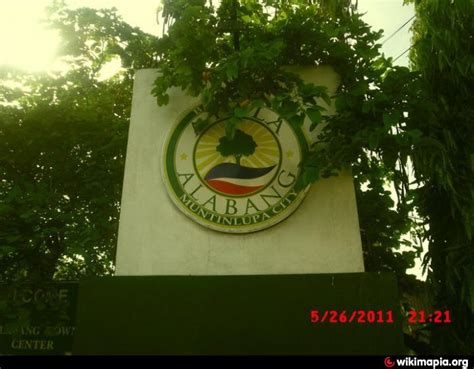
x=238, y=315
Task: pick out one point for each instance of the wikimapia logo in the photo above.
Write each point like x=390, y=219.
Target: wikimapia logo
x=239, y=184
x=410, y=361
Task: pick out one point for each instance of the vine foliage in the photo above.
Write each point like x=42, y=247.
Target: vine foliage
x=235, y=55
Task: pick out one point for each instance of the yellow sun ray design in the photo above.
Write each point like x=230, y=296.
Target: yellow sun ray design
x=266, y=139
x=204, y=144
x=209, y=139
x=267, y=151
x=250, y=127
x=245, y=162
x=262, y=135
x=266, y=160
x=256, y=162
x=210, y=162
x=272, y=152
x=205, y=153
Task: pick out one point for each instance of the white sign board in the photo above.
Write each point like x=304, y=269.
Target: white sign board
x=157, y=233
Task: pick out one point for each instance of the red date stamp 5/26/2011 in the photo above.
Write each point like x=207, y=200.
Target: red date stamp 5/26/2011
x=355, y=316
x=377, y=316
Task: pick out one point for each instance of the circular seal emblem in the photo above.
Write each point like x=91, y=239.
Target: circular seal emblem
x=238, y=185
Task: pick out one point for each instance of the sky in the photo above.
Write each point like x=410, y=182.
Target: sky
x=389, y=15
x=26, y=43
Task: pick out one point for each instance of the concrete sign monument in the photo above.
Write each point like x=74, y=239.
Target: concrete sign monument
x=193, y=200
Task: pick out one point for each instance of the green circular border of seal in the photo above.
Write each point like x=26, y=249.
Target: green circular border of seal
x=175, y=190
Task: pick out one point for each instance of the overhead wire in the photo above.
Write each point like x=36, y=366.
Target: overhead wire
x=403, y=53
x=397, y=30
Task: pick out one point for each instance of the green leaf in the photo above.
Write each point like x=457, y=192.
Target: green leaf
x=163, y=99
x=232, y=71
x=199, y=125
x=414, y=134
x=258, y=103
x=4, y=250
x=297, y=120
x=310, y=175
x=390, y=119
x=342, y=102
x=288, y=108
x=5, y=208
x=367, y=106
x=240, y=112
x=360, y=88
x=246, y=19
x=326, y=99
x=314, y=115
x=206, y=96
x=230, y=126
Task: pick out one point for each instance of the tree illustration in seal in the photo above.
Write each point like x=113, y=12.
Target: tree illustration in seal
x=240, y=145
